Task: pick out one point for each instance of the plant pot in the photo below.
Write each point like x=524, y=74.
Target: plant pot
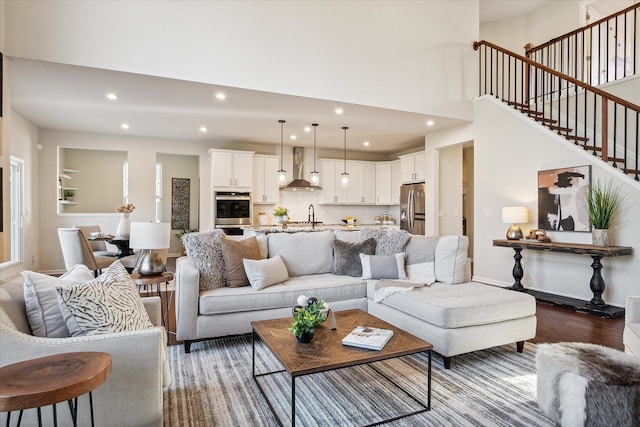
x=282, y=218
x=306, y=337
x=600, y=237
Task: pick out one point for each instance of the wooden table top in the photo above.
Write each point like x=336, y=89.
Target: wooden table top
x=326, y=352
x=51, y=379
x=571, y=248
x=151, y=280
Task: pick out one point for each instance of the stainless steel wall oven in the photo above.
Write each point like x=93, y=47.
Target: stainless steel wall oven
x=233, y=210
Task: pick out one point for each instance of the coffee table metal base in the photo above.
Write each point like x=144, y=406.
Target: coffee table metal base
x=424, y=407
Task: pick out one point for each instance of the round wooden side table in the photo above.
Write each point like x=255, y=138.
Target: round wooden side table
x=143, y=282
x=52, y=379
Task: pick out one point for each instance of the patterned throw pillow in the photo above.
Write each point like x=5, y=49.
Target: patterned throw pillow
x=41, y=300
x=388, y=242
x=108, y=303
x=204, y=250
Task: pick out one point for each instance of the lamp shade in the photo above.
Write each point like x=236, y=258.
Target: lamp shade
x=150, y=235
x=515, y=215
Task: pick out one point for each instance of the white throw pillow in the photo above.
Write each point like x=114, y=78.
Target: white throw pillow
x=383, y=266
x=108, y=303
x=265, y=272
x=41, y=300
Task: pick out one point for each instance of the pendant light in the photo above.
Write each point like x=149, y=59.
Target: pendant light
x=344, y=174
x=315, y=175
x=282, y=174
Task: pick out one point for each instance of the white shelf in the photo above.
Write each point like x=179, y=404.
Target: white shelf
x=66, y=202
x=63, y=176
x=69, y=189
x=65, y=170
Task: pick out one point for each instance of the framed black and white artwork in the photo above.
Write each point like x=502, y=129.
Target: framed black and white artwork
x=562, y=199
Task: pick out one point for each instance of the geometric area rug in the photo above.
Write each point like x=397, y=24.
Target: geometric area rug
x=213, y=386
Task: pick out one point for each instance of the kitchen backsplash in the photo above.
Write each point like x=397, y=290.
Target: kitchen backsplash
x=298, y=204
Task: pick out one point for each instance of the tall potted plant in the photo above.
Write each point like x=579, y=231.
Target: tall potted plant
x=603, y=204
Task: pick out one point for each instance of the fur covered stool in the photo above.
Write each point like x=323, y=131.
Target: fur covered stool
x=588, y=385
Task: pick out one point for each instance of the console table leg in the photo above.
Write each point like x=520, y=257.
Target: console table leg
x=518, y=272
x=293, y=401
x=597, y=282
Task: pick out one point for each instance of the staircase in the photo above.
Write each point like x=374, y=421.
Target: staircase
x=601, y=123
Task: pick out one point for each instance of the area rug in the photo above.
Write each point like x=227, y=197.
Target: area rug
x=213, y=385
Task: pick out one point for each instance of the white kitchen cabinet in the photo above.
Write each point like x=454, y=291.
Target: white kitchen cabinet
x=362, y=185
x=388, y=183
x=231, y=169
x=265, y=179
x=412, y=167
x=330, y=180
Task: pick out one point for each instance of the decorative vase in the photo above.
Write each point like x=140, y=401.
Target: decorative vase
x=124, y=226
x=282, y=218
x=306, y=337
x=600, y=237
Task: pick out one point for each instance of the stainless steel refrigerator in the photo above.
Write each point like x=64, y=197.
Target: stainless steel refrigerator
x=412, y=208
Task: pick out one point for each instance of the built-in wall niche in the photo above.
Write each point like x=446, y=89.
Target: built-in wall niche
x=91, y=181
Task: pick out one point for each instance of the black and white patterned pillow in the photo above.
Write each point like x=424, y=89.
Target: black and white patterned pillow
x=108, y=303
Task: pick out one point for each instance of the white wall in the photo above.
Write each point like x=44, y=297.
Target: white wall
x=405, y=55
x=141, y=153
x=507, y=160
x=552, y=19
x=450, y=182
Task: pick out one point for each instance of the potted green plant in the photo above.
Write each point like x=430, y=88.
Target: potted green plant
x=68, y=195
x=281, y=214
x=603, y=204
x=306, y=318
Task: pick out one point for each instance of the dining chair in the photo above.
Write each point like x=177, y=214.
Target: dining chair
x=77, y=250
x=98, y=247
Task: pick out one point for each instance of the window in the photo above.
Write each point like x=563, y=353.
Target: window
x=158, y=192
x=16, y=183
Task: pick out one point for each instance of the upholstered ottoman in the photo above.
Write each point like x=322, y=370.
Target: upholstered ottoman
x=588, y=385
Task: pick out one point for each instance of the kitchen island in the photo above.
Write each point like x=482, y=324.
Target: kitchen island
x=296, y=227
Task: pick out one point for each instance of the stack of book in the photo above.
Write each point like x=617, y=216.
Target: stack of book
x=369, y=338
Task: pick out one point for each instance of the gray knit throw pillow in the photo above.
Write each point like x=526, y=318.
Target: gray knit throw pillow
x=204, y=250
x=388, y=242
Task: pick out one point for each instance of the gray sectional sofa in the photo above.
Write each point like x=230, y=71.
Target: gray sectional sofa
x=454, y=314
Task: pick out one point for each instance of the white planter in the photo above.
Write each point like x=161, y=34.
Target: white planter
x=282, y=218
x=600, y=237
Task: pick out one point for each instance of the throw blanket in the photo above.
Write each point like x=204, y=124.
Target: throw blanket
x=384, y=288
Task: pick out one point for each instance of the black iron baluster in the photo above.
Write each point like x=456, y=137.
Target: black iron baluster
x=591, y=56
x=635, y=42
x=615, y=59
x=624, y=50
x=502, y=75
x=485, y=69
x=637, y=178
x=595, y=121
x=624, y=159
x=615, y=134
x=559, y=105
x=509, y=78
x=491, y=72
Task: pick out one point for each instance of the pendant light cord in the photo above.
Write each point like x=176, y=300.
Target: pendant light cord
x=315, y=127
x=345, y=149
x=282, y=122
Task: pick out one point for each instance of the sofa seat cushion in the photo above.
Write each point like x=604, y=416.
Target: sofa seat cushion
x=465, y=304
x=327, y=287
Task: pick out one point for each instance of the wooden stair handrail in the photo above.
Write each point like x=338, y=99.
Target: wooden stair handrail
x=585, y=86
x=579, y=30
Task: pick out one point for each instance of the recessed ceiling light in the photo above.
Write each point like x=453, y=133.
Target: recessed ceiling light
x=203, y=129
x=430, y=123
x=339, y=110
x=221, y=96
x=124, y=126
x=111, y=96
x=293, y=137
x=307, y=129
x=366, y=143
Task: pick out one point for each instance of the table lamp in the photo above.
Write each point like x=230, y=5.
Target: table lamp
x=515, y=215
x=147, y=236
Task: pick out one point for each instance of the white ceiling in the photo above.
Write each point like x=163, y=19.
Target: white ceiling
x=66, y=97
x=57, y=96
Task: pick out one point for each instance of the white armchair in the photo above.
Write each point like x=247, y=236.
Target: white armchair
x=631, y=334
x=132, y=395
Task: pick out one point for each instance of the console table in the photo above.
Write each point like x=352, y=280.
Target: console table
x=596, y=284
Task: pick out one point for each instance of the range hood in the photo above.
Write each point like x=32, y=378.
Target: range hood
x=299, y=183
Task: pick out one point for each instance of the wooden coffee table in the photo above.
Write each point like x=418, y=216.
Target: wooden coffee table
x=326, y=352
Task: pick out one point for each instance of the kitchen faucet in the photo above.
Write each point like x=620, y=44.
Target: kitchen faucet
x=312, y=215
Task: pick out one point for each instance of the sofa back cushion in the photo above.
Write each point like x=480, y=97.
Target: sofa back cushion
x=451, y=259
x=421, y=255
x=388, y=242
x=304, y=253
